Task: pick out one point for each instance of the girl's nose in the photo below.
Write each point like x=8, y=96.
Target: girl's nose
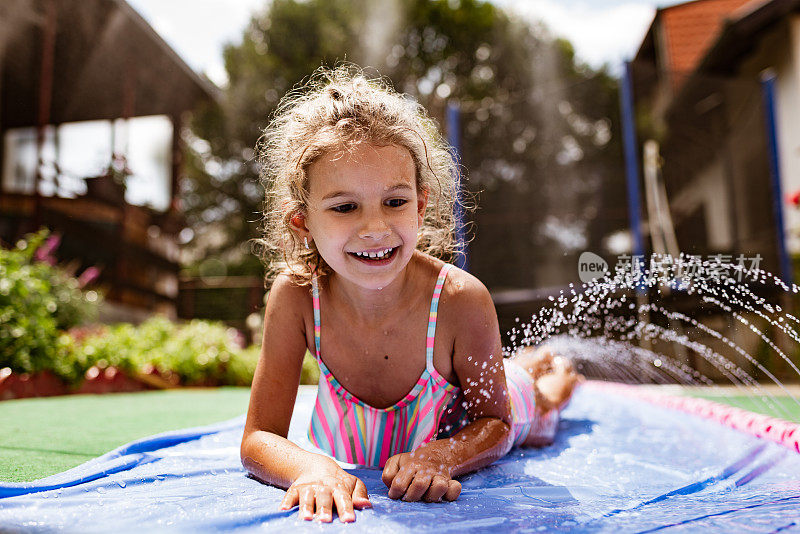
x=374, y=228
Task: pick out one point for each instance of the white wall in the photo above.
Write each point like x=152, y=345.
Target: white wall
x=708, y=189
x=788, y=129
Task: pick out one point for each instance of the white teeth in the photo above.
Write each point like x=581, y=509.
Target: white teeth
x=375, y=255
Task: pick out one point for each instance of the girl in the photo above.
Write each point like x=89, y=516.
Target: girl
x=359, y=208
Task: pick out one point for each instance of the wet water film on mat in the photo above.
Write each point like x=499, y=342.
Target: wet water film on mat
x=617, y=464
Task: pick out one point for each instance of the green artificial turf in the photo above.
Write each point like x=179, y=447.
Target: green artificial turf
x=43, y=436
x=783, y=407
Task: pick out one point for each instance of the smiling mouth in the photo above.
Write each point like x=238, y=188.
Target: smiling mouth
x=381, y=256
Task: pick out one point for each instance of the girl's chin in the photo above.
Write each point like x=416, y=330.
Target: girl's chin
x=377, y=274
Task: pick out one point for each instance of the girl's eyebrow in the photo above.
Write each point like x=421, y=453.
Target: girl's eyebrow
x=400, y=186
x=335, y=194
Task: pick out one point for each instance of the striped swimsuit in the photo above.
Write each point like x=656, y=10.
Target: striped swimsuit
x=352, y=431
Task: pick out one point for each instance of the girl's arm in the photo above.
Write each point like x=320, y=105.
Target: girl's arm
x=315, y=482
x=427, y=473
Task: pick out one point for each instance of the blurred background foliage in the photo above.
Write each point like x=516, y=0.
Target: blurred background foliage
x=46, y=325
x=538, y=149
x=37, y=302
x=536, y=127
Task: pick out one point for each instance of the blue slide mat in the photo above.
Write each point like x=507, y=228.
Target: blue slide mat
x=617, y=465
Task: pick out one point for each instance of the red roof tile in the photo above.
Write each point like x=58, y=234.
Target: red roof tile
x=690, y=29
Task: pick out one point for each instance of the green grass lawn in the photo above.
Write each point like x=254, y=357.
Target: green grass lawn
x=783, y=407
x=43, y=436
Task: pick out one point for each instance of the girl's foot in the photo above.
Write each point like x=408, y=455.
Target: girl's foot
x=538, y=361
x=556, y=387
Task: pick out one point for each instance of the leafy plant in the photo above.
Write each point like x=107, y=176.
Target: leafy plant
x=42, y=309
x=37, y=302
x=198, y=353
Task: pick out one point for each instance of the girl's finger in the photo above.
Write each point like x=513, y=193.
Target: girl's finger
x=453, y=490
x=390, y=470
x=307, y=503
x=438, y=488
x=400, y=483
x=290, y=499
x=324, y=504
x=344, y=506
x=419, y=485
x=360, y=495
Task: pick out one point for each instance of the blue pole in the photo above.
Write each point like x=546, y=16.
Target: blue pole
x=453, y=119
x=631, y=162
x=768, y=93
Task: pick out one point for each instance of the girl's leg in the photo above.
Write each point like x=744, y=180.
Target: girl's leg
x=554, y=380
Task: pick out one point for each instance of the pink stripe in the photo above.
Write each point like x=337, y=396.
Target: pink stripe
x=438, y=410
x=401, y=443
x=773, y=429
x=387, y=438
x=339, y=435
x=337, y=423
x=526, y=420
x=429, y=343
x=324, y=422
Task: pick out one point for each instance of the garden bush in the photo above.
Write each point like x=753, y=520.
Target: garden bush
x=43, y=308
x=199, y=353
x=37, y=302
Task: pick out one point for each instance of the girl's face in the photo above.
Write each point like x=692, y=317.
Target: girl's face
x=364, y=212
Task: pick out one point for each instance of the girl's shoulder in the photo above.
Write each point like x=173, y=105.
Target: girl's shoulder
x=460, y=288
x=467, y=316
x=290, y=292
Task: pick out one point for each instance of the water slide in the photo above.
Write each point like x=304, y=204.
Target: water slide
x=620, y=462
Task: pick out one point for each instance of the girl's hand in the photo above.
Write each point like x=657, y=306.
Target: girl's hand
x=320, y=489
x=416, y=475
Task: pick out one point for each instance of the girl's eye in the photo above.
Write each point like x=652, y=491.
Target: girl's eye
x=344, y=208
x=396, y=202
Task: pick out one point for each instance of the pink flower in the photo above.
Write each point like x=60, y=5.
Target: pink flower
x=88, y=276
x=45, y=252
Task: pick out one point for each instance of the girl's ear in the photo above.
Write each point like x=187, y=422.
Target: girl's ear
x=298, y=224
x=422, y=203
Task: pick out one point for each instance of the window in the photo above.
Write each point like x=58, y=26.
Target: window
x=74, y=151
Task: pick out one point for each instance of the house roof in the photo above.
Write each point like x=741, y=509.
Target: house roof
x=691, y=28
x=739, y=36
x=687, y=30
x=742, y=33
x=107, y=63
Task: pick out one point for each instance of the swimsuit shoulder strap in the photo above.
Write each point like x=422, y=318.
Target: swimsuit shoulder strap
x=437, y=291
x=315, y=299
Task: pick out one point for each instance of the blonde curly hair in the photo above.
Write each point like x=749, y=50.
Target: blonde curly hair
x=339, y=108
